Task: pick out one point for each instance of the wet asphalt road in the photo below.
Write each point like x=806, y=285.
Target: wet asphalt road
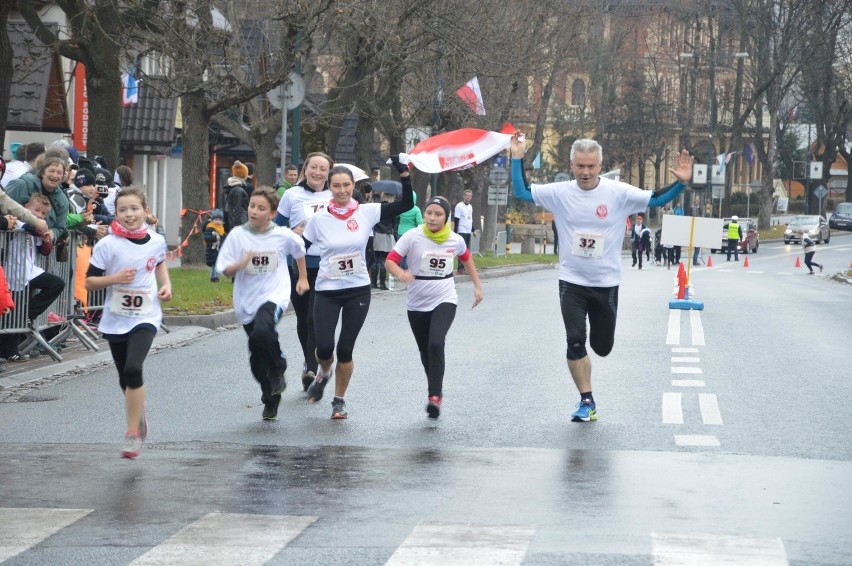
x=773, y=366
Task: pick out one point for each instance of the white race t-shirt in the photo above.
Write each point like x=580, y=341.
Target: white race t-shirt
x=464, y=212
x=591, y=227
x=266, y=278
x=299, y=204
x=342, y=244
x=430, y=259
x=128, y=306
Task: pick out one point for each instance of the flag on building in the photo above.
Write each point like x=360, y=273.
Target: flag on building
x=129, y=87
x=748, y=153
x=472, y=96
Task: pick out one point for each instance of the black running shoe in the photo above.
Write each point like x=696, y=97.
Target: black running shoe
x=433, y=406
x=315, y=390
x=278, y=381
x=338, y=409
x=270, y=410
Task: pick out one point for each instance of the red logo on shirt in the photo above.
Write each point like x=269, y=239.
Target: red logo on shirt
x=151, y=264
x=352, y=225
x=602, y=211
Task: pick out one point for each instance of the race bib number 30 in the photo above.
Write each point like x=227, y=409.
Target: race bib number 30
x=436, y=264
x=131, y=302
x=263, y=263
x=588, y=245
x=344, y=265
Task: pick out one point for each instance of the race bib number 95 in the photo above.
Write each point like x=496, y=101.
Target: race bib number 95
x=436, y=264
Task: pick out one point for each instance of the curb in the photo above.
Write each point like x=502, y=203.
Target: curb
x=173, y=339
x=211, y=321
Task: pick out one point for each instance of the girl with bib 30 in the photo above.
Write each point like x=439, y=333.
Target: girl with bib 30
x=255, y=255
x=129, y=264
x=432, y=298
x=340, y=232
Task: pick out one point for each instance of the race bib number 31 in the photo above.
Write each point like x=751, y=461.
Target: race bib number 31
x=263, y=263
x=344, y=265
x=588, y=245
x=131, y=302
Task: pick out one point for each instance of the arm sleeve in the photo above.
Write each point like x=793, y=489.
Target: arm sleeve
x=297, y=245
x=392, y=209
x=418, y=217
x=227, y=252
x=281, y=220
x=667, y=194
x=519, y=181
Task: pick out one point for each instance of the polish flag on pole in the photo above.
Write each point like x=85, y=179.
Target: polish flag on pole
x=472, y=96
x=458, y=149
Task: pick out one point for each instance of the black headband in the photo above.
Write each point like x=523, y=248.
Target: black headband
x=443, y=203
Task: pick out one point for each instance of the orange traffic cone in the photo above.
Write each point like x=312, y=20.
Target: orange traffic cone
x=710, y=261
x=745, y=263
x=798, y=263
x=850, y=265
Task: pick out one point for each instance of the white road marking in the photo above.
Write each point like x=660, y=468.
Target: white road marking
x=685, y=350
x=228, y=538
x=694, y=549
x=697, y=329
x=722, y=270
x=783, y=273
x=21, y=529
x=685, y=360
x=709, y=405
x=696, y=440
x=673, y=335
x=688, y=382
x=443, y=544
x=753, y=271
x=686, y=370
x=672, y=408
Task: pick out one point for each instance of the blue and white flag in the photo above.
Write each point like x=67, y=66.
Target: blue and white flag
x=129, y=87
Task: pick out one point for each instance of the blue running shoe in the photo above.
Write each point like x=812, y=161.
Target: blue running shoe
x=585, y=412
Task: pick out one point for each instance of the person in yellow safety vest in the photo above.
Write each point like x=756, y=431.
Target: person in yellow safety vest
x=735, y=235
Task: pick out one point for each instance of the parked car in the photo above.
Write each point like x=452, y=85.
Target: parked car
x=750, y=241
x=816, y=227
x=842, y=217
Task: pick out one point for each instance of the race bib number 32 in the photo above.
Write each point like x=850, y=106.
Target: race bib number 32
x=131, y=302
x=588, y=245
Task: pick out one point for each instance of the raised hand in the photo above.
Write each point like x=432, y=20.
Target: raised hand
x=683, y=167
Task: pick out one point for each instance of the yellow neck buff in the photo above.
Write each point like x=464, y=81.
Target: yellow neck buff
x=440, y=236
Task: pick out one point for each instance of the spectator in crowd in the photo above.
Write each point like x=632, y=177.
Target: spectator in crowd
x=291, y=175
x=45, y=180
x=214, y=234
x=236, y=202
x=17, y=167
x=123, y=178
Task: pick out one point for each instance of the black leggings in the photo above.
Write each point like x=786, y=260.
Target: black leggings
x=355, y=303
x=430, y=331
x=129, y=352
x=303, y=306
x=265, y=356
x=601, y=306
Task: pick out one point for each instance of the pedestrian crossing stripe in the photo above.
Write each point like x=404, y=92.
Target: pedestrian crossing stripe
x=708, y=549
x=233, y=538
x=449, y=544
x=227, y=538
x=21, y=529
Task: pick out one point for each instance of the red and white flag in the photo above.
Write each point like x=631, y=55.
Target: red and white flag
x=459, y=149
x=472, y=96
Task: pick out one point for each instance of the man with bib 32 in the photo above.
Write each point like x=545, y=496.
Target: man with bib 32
x=589, y=213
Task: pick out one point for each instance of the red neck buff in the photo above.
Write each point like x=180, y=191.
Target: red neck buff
x=120, y=230
x=342, y=212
